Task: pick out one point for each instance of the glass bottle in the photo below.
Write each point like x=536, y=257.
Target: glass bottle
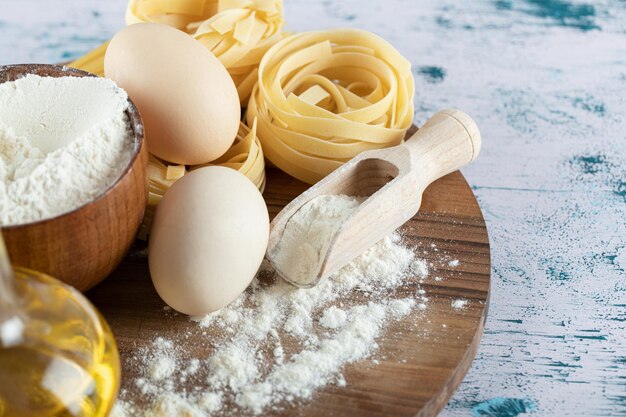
x=58, y=357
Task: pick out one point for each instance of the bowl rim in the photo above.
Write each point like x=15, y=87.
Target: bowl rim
x=135, y=121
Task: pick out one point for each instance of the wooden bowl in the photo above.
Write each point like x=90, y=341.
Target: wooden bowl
x=85, y=245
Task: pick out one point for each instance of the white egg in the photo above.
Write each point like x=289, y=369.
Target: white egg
x=208, y=239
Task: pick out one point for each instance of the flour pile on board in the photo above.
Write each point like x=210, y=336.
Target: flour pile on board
x=275, y=342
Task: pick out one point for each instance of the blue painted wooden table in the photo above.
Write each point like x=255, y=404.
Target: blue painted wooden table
x=546, y=82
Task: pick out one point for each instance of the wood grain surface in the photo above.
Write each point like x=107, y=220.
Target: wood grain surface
x=83, y=246
x=424, y=356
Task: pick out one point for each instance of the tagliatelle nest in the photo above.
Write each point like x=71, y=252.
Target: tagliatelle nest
x=237, y=32
x=324, y=97
x=176, y=13
x=245, y=156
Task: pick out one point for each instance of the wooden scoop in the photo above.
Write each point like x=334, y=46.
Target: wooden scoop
x=393, y=179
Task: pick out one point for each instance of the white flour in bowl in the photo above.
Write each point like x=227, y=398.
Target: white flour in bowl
x=277, y=344
x=63, y=141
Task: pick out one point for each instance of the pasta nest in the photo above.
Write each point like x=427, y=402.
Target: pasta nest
x=324, y=97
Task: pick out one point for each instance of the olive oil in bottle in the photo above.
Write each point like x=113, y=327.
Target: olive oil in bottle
x=58, y=357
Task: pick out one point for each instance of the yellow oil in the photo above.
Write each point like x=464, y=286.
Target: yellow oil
x=65, y=362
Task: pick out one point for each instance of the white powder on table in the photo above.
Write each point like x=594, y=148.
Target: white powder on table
x=333, y=318
x=459, y=303
x=163, y=367
x=63, y=141
x=273, y=344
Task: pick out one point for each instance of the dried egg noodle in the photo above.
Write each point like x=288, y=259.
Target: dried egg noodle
x=93, y=61
x=178, y=13
x=324, y=97
x=237, y=32
x=239, y=37
x=245, y=156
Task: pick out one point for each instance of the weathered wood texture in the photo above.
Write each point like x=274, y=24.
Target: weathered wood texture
x=438, y=344
x=83, y=246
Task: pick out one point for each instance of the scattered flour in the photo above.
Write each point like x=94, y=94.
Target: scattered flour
x=233, y=367
x=333, y=318
x=274, y=343
x=63, y=141
x=454, y=263
x=210, y=402
x=459, y=303
x=163, y=367
x=400, y=308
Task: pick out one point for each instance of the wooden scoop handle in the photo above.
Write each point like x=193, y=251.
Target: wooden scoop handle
x=446, y=142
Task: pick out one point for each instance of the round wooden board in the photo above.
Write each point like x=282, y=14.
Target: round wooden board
x=423, y=357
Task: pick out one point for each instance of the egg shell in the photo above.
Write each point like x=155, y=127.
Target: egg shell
x=187, y=99
x=208, y=239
